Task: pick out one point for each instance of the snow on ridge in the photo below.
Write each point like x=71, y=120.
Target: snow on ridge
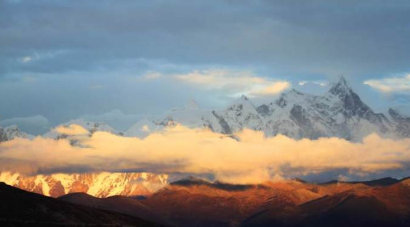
x=11, y=132
x=337, y=113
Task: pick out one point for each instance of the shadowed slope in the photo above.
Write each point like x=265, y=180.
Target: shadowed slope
x=195, y=202
x=21, y=208
x=120, y=204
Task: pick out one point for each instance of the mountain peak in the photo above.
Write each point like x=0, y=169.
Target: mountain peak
x=191, y=104
x=341, y=87
x=244, y=98
x=343, y=80
x=294, y=91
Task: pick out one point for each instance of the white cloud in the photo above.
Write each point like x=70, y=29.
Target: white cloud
x=26, y=59
x=71, y=130
x=42, y=55
x=234, y=82
x=320, y=83
x=273, y=89
x=150, y=75
x=391, y=84
x=145, y=128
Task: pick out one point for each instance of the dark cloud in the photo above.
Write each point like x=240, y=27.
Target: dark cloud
x=319, y=37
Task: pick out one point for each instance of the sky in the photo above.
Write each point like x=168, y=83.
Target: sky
x=119, y=61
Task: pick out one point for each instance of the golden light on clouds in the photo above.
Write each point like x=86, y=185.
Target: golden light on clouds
x=248, y=157
x=273, y=89
x=71, y=130
x=230, y=81
x=390, y=84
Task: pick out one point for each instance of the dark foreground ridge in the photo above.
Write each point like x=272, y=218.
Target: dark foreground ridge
x=21, y=208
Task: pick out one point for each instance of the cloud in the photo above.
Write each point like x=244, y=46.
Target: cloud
x=151, y=75
x=273, y=89
x=319, y=83
x=265, y=35
x=26, y=59
x=301, y=83
x=71, y=130
x=145, y=128
x=234, y=82
x=250, y=158
x=391, y=84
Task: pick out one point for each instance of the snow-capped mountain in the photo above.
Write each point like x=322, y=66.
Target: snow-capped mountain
x=11, y=132
x=190, y=115
x=402, y=123
x=338, y=113
x=96, y=184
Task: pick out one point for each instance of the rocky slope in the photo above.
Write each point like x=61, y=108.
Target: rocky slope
x=194, y=202
x=11, y=132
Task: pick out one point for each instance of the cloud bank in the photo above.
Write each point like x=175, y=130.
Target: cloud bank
x=247, y=157
x=391, y=84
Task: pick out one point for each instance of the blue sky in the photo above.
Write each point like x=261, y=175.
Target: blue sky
x=120, y=60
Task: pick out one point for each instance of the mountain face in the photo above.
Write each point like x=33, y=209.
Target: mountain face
x=11, y=132
x=95, y=184
x=21, y=208
x=338, y=113
x=402, y=123
x=195, y=202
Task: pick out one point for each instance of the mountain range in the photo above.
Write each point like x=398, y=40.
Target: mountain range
x=196, y=202
x=101, y=184
x=338, y=113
